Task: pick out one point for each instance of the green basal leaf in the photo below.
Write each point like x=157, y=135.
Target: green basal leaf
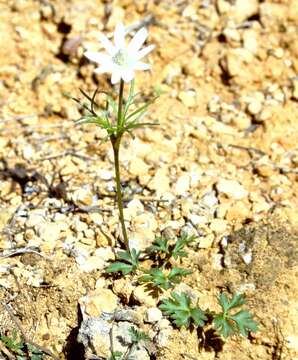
x=119, y=267
x=129, y=263
x=245, y=323
x=179, y=309
x=180, y=244
x=228, y=323
x=160, y=244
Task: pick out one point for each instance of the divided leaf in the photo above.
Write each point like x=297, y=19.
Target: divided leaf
x=229, y=324
x=157, y=277
x=129, y=263
x=179, y=309
x=181, y=242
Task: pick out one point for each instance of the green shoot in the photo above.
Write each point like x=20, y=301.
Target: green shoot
x=228, y=324
x=179, y=309
x=128, y=262
x=166, y=281
x=137, y=336
x=20, y=349
x=164, y=250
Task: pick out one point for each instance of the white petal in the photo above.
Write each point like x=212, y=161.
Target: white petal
x=144, y=51
x=139, y=65
x=96, y=57
x=107, y=44
x=106, y=67
x=138, y=40
x=127, y=75
x=115, y=77
x=119, y=36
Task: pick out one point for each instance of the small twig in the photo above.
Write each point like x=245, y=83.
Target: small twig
x=69, y=152
x=14, y=252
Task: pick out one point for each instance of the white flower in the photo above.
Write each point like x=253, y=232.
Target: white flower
x=121, y=60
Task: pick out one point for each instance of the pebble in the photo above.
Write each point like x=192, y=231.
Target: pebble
x=210, y=199
x=206, y=241
x=98, y=301
x=83, y=196
x=153, y=315
x=254, y=107
x=48, y=232
x=182, y=185
x=232, y=188
x=143, y=296
x=219, y=226
x=138, y=167
x=188, y=98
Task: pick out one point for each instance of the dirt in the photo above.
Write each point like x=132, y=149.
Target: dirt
x=228, y=108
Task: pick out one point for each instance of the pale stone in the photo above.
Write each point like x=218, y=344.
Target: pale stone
x=36, y=218
x=143, y=295
x=182, y=185
x=219, y=226
x=138, y=167
x=194, y=67
x=83, y=196
x=160, y=182
x=210, y=199
x=98, y=301
x=48, y=231
x=153, y=315
x=242, y=10
x=232, y=188
x=198, y=219
x=188, y=98
x=206, y=241
x=241, y=121
x=254, y=107
x=250, y=42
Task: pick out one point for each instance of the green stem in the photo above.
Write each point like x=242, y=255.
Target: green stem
x=120, y=104
x=115, y=140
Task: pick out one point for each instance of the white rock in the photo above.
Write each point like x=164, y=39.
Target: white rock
x=231, y=188
x=198, y=219
x=182, y=185
x=219, y=226
x=210, y=199
x=49, y=232
x=97, y=302
x=206, y=242
x=153, y=315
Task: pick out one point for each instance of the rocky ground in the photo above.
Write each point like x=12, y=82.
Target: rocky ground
x=222, y=165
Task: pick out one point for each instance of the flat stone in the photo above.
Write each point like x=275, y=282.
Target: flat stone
x=98, y=301
x=231, y=188
x=153, y=315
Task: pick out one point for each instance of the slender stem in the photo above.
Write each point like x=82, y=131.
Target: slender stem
x=115, y=140
x=120, y=104
x=116, y=146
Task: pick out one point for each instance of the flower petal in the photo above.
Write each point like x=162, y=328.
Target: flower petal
x=138, y=40
x=127, y=75
x=116, y=75
x=106, y=67
x=144, y=51
x=107, y=44
x=139, y=65
x=97, y=57
x=119, y=36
